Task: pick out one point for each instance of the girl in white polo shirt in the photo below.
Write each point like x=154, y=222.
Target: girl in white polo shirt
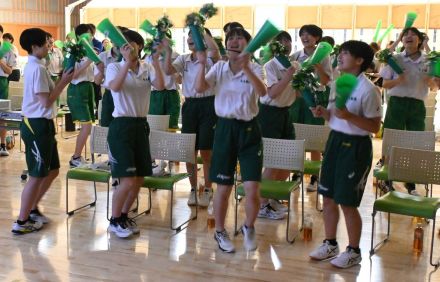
x=238, y=84
x=130, y=82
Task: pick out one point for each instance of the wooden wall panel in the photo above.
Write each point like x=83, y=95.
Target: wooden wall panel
x=178, y=15
x=125, y=17
x=336, y=16
x=399, y=12
x=243, y=15
x=299, y=16
x=367, y=16
x=96, y=15
x=434, y=16
x=216, y=21
x=151, y=14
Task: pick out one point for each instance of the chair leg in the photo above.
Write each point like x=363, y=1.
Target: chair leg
x=180, y=227
x=300, y=229
x=147, y=211
x=236, y=231
x=376, y=247
x=317, y=200
x=92, y=204
x=437, y=263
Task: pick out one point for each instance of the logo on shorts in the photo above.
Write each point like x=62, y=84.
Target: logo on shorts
x=351, y=175
x=223, y=177
x=37, y=156
x=259, y=153
x=131, y=169
x=322, y=188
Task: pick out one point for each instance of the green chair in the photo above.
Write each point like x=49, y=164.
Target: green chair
x=315, y=137
x=98, y=145
x=170, y=147
x=423, y=140
x=280, y=154
x=409, y=165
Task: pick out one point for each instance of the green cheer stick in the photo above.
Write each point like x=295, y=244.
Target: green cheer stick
x=149, y=28
x=434, y=68
x=197, y=36
x=5, y=48
x=284, y=61
x=90, y=53
x=345, y=85
x=264, y=35
x=59, y=44
x=376, y=33
x=388, y=30
x=112, y=32
x=410, y=19
x=321, y=52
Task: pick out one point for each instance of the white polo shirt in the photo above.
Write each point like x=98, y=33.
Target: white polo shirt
x=133, y=100
x=274, y=73
x=85, y=75
x=301, y=56
x=235, y=96
x=106, y=58
x=36, y=80
x=188, y=70
x=55, y=62
x=365, y=101
x=169, y=80
x=11, y=60
x=415, y=71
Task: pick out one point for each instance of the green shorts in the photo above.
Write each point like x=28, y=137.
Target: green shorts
x=236, y=139
x=4, y=88
x=405, y=113
x=129, y=147
x=345, y=168
x=166, y=102
x=80, y=99
x=38, y=135
x=107, y=108
x=275, y=122
x=198, y=116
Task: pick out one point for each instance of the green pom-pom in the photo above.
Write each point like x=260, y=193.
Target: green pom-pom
x=59, y=44
x=219, y=41
x=345, y=85
x=194, y=19
x=208, y=10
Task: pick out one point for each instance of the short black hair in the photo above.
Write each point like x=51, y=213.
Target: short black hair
x=375, y=46
x=81, y=29
x=1, y=28
x=8, y=36
x=283, y=35
x=240, y=32
x=133, y=36
x=311, y=29
x=359, y=49
x=231, y=25
x=32, y=36
x=417, y=32
x=330, y=40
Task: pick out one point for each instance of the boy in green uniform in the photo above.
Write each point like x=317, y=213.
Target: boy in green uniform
x=37, y=129
x=348, y=155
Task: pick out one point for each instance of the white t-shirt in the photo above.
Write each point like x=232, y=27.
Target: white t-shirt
x=55, y=62
x=235, y=96
x=415, y=71
x=274, y=73
x=365, y=101
x=36, y=80
x=85, y=75
x=188, y=70
x=133, y=100
x=301, y=56
x=170, y=80
x=11, y=60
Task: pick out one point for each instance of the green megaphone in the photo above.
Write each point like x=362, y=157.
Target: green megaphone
x=264, y=35
x=410, y=19
x=148, y=27
x=90, y=53
x=345, y=85
x=5, y=48
x=322, y=50
x=112, y=32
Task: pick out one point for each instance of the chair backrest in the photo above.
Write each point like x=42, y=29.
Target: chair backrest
x=429, y=123
x=414, y=165
x=283, y=154
x=98, y=140
x=158, y=122
x=173, y=146
x=315, y=136
x=422, y=140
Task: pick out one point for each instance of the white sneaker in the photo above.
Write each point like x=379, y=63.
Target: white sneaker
x=414, y=193
x=76, y=162
x=249, y=241
x=120, y=229
x=277, y=206
x=131, y=224
x=192, y=198
x=205, y=198
x=312, y=187
x=325, y=251
x=224, y=242
x=347, y=259
x=269, y=212
x=28, y=227
x=3, y=152
x=38, y=216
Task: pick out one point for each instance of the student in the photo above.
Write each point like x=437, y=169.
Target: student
x=130, y=82
x=80, y=99
x=54, y=59
x=7, y=64
x=310, y=36
x=274, y=118
x=348, y=155
x=9, y=38
x=406, y=108
x=107, y=105
x=37, y=129
x=198, y=114
x=238, y=84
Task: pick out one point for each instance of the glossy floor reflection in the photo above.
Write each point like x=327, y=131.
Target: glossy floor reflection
x=78, y=248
